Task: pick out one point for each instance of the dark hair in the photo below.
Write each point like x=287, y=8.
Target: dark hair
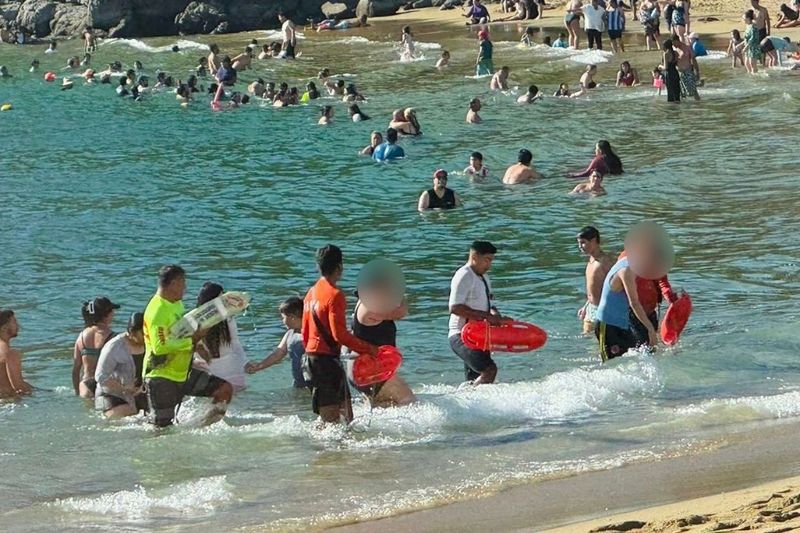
x=525, y=157
x=477, y=155
x=354, y=110
x=329, y=258
x=326, y=110
x=213, y=47
x=136, y=322
x=667, y=45
x=750, y=14
x=391, y=135
x=5, y=316
x=589, y=233
x=292, y=307
x=533, y=89
x=406, y=29
x=169, y=273
x=340, y=83
x=613, y=161
x=483, y=248
x=221, y=333
x=245, y=98
x=254, y=41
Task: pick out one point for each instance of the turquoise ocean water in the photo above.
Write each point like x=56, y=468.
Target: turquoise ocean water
x=99, y=191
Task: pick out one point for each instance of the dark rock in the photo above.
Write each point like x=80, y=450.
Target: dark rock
x=419, y=4
x=69, y=19
x=630, y=525
x=338, y=10
x=135, y=18
x=9, y=10
x=35, y=15
x=222, y=27
x=200, y=17
x=378, y=8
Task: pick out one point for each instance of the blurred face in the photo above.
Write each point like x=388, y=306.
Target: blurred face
x=650, y=253
x=476, y=163
x=476, y=105
x=481, y=264
x=588, y=246
x=439, y=182
x=376, y=139
x=595, y=179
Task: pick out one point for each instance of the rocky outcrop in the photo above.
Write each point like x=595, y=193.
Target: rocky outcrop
x=147, y=18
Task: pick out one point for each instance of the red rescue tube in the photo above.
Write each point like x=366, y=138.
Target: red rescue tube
x=369, y=369
x=512, y=337
x=675, y=319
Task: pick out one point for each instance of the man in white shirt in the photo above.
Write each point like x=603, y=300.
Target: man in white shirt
x=289, y=36
x=593, y=23
x=471, y=299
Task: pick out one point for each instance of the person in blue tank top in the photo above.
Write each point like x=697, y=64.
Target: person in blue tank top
x=619, y=296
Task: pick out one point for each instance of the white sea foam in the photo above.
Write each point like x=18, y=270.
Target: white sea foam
x=204, y=494
x=590, y=57
x=354, y=39
x=428, y=46
x=785, y=405
x=278, y=35
x=713, y=55
x=138, y=44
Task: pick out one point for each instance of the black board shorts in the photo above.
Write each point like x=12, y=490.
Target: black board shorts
x=615, y=34
x=475, y=361
x=767, y=47
x=614, y=341
x=164, y=395
x=328, y=381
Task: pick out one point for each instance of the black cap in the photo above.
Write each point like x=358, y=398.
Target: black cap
x=136, y=322
x=483, y=248
x=101, y=306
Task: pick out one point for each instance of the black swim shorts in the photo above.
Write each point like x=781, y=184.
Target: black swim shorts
x=767, y=47
x=328, y=381
x=108, y=402
x=164, y=395
x=475, y=361
x=614, y=341
x=639, y=330
x=615, y=34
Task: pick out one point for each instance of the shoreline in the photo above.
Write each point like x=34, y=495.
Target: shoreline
x=651, y=492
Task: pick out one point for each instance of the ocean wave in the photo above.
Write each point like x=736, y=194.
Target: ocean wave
x=204, y=494
x=138, y=44
x=278, y=35
x=427, y=46
x=713, y=55
x=590, y=57
x=354, y=39
x=784, y=405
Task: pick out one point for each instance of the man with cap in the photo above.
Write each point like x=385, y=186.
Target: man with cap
x=119, y=386
x=477, y=13
x=168, y=371
x=484, y=65
x=471, y=299
x=439, y=197
x=11, y=381
x=522, y=171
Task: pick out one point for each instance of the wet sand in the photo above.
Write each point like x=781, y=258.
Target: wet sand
x=593, y=500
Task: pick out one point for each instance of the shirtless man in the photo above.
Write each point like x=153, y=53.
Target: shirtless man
x=688, y=68
x=522, y=171
x=593, y=186
x=597, y=268
x=761, y=21
x=242, y=61
x=289, y=33
x=500, y=80
x=11, y=382
x=90, y=42
x=587, y=81
x=472, y=115
x=212, y=60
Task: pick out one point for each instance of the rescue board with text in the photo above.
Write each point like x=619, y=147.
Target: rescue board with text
x=211, y=313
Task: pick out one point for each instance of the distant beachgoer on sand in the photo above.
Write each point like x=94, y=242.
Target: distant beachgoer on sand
x=289, y=33
x=472, y=114
x=593, y=24
x=650, y=18
x=346, y=24
x=572, y=21
x=736, y=48
x=476, y=167
x=520, y=12
x=531, y=96
x=627, y=76
x=98, y=315
x=408, y=52
x=484, y=65
x=388, y=150
x=444, y=61
x=562, y=41
x=789, y=17
x=500, y=80
x=243, y=60
x=327, y=115
x=615, y=22
x=11, y=380
x=680, y=20
x=477, y=14
x=593, y=186
x=586, y=82
x=439, y=196
x=522, y=171
x=375, y=140
x=356, y=114
x=760, y=19
x=597, y=267
x=563, y=91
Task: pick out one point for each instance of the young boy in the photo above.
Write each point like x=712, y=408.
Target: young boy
x=476, y=167
x=11, y=382
x=561, y=42
x=291, y=344
x=593, y=186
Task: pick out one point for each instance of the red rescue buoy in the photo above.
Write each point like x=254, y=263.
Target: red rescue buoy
x=368, y=369
x=512, y=337
x=675, y=319
x=49, y=76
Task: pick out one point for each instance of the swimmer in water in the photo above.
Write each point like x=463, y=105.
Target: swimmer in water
x=11, y=380
x=87, y=58
x=562, y=41
x=4, y=72
x=484, y=65
x=269, y=91
x=522, y=171
x=531, y=96
x=352, y=94
x=256, y=88
x=356, y=114
x=407, y=45
x=51, y=48
x=605, y=160
x=389, y=150
x=243, y=60
x=327, y=115
x=375, y=140
x=476, y=167
x=444, y=61
x=563, y=91
x=311, y=92
x=265, y=53
x=527, y=37
x=121, y=88
x=472, y=115
x=439, y=196
x=500, y=80
x=658, y=79
x=627, y=75
x=88, y=75
x=34, y=65
x=597, y=268
x=337, y=89
x=587, y=82
x=399, y=123
x=212, y=61
x=593, y=186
